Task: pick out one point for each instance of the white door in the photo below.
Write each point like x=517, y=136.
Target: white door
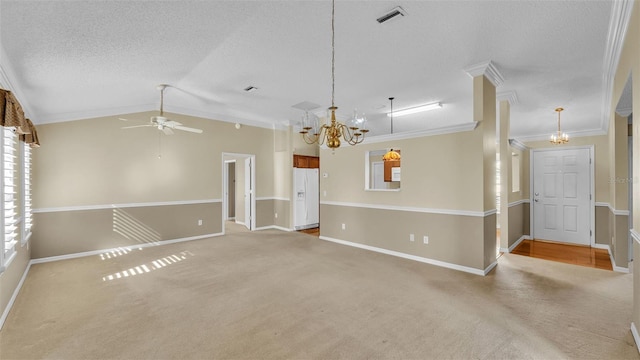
x=378, y=175
x=248, y=193
x=562, y=195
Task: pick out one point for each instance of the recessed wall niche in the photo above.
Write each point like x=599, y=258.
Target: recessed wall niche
x=383, y=174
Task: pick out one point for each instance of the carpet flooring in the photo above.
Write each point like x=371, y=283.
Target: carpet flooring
x=278, y=295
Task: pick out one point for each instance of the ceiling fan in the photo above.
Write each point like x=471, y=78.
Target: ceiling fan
x=161, y=122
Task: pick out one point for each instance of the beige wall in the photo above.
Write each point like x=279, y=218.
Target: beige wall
x=452, y=238
x=450, y=163
x=95, y=162
x=70, y=232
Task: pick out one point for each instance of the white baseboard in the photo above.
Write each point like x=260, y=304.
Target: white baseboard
x=489, y=268
x=276, y=227
x=619, y=269
x=636, y=337
x=130, y=247
x=413, y=257
x=601, y=246
x=5, y=313
x=239, y=222
x=515, y=244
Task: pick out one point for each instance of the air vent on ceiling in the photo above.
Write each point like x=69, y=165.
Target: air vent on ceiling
x=250, y=88
x=395, y=12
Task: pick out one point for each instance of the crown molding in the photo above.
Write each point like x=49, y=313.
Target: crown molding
x=518, y=145
x=620, y=15
x=422, y=133
x=511, y=96
x=575, y=134
x=624, y=112
x=488, y=69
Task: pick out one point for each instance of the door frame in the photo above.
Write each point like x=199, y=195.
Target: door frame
x=592, y=188
x=225, y=189
x=228, y=157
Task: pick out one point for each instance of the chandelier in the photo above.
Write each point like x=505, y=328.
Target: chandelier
x=559, y=137
x=330, y=134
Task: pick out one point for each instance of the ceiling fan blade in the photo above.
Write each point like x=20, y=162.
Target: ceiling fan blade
x=172, y=123
x=167, y=131
x=184, y=128
x=135, y=126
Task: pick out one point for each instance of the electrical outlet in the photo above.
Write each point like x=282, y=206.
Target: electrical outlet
x=425, y=239
x=411, y=237
x=324, y=193
x=344, y=226
x=276, y=215
x=200, y=222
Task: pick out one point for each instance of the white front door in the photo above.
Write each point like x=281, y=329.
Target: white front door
x=248, y=193
x=562, y=195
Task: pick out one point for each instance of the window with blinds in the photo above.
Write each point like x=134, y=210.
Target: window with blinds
x=27, y=219
x=9, y=215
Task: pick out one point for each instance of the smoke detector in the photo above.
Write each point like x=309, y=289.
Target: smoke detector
x=393, y=13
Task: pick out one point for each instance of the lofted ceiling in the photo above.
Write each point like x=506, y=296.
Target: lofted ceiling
x=70, y=60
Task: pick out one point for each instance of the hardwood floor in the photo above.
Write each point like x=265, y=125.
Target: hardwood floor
x=571, y=254
x=313, y=231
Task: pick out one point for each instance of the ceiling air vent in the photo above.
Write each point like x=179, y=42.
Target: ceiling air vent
x=395, y=12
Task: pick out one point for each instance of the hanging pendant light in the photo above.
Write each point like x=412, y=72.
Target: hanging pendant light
x=391, y=154
x=331, y=134
x=559, y=137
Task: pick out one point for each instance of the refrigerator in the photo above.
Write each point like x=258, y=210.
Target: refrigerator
x=306, y=205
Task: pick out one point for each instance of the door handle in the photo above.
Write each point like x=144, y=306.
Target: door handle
x=536, y=200
x=537, y=194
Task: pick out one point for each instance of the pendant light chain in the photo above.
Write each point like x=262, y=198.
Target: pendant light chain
x=333, y=53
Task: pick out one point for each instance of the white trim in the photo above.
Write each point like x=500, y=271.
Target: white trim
x=488, y=69
x=411, y=209
x=515, y=244
x=573, y=134
x=601, y=246
x=412, y=257
x=252, y=181
x=618, y=25
x=7, y=309
x=614, y=211
x=516, y=144
x=129, y=247
x=129, y=205
x=636, y=337
x=635, y=235
x=239, y=222
x=613, y=263
x=420, y=133
x=510, y=96
x=518, y=202
x=274, y=227
x=261, y=198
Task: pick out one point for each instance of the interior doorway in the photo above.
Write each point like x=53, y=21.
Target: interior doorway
x=562, y=188
x=230, y=193
x=239, y=179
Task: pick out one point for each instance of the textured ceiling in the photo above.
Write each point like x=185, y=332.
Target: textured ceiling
x=78, y=59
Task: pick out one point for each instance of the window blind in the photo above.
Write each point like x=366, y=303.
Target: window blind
x=9, y=214
x=26, y=188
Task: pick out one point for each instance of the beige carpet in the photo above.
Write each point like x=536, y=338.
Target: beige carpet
x=277, y=295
